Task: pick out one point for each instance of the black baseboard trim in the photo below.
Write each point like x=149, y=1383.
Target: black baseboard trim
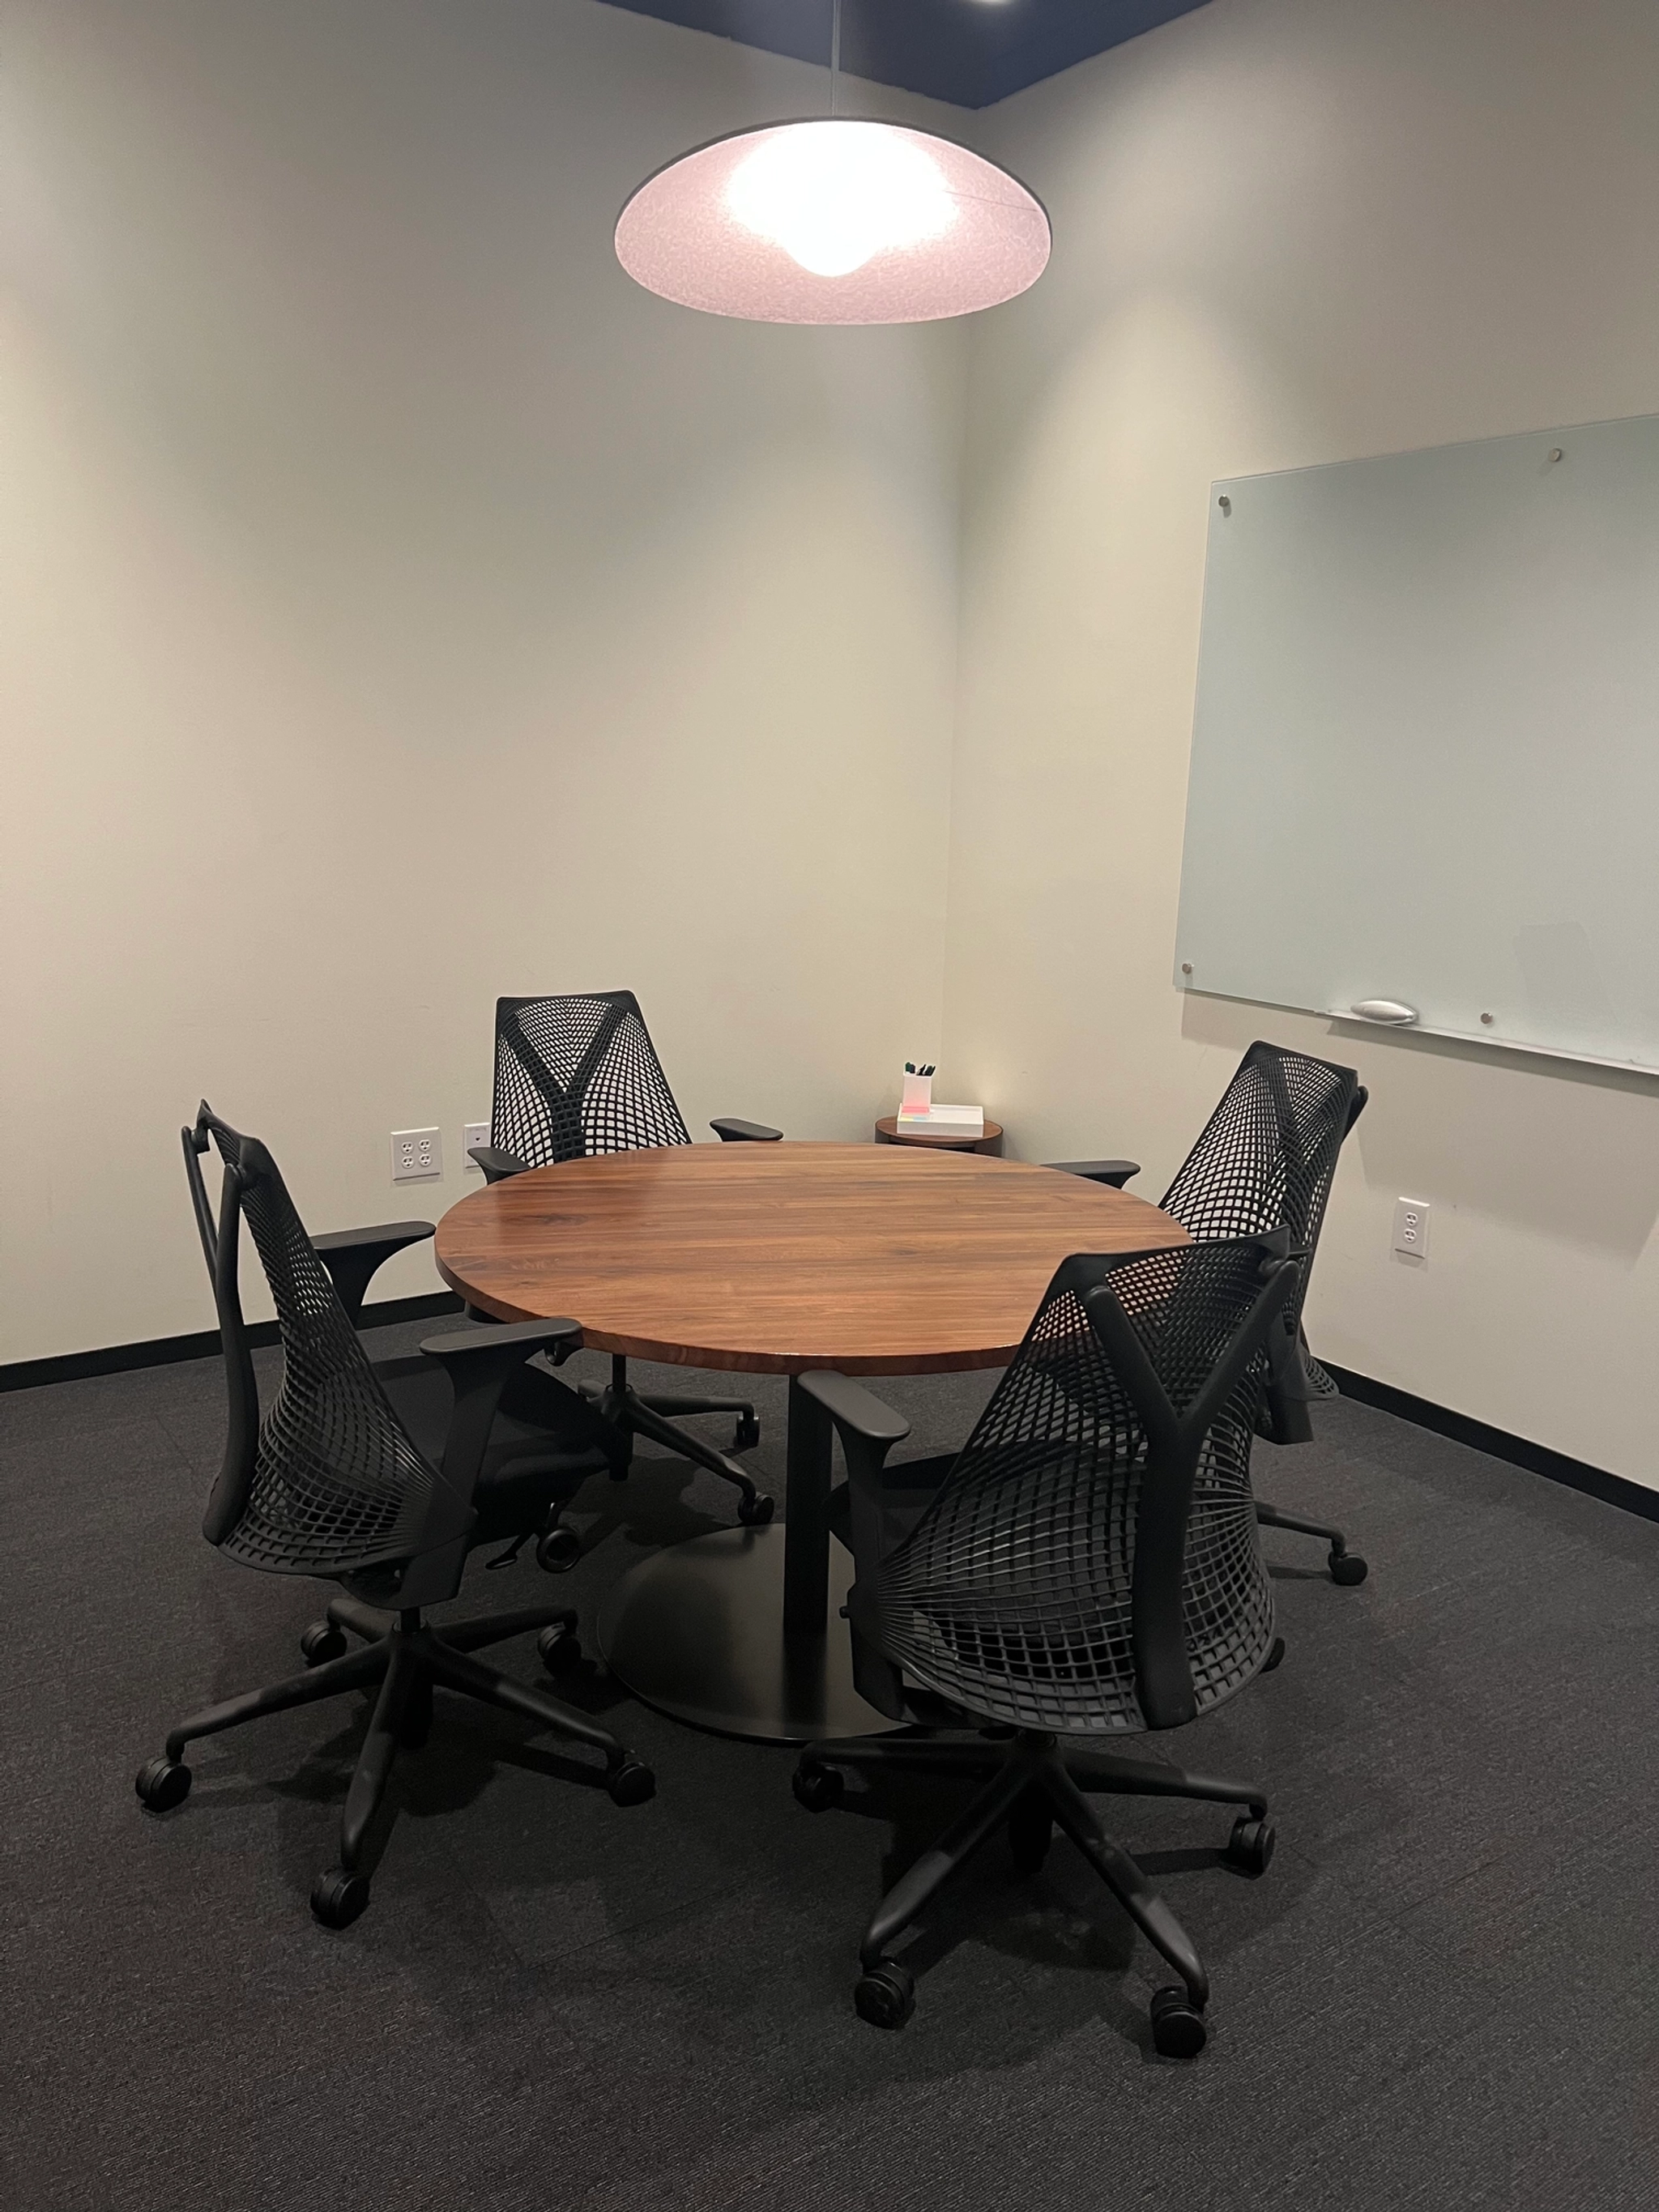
x=432, y=1305
x=1520, y=1451
x=167, y=1351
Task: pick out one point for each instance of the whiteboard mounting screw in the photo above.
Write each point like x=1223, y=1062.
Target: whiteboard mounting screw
x=1225, y=504
x=1185, y=967
x=1486, y=1019
x=1555, y=452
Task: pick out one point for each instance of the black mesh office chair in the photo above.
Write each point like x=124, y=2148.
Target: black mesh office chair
x=1087, y=1564
x=381, y=1480
x=1265, y=1159
x=576, y=1076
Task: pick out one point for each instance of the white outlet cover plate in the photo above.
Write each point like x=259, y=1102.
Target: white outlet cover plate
x=1411, y=1227
x=473, y=1132
x=417, y=1156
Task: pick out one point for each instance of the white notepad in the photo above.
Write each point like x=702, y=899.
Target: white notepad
x=942, y=1120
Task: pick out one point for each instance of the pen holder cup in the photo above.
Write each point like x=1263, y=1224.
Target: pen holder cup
x=918, y=1095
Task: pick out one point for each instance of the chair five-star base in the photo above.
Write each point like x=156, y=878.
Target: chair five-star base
x=1031, y=1786
x=407, y=1659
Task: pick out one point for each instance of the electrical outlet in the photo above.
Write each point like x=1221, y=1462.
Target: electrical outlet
x=473, y=1132
x=1411, y=1227
x=417, y=1156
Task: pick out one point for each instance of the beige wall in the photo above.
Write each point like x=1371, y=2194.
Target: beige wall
x=400, y=607
x=1293, y=231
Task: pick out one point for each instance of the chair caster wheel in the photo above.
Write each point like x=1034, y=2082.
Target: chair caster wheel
x=322, y=1642
x=558, y=1551
x=1030, y=1832
x=631, y=1784
x=754, y=1512
x=886, y=1996
x=817, y=1788
x=162, y=1785
x=1250, y=1847
x=559, y=1649
x=1347, y=1568
x=1178, y=2029
x=337, y=1897
x=1275, y=1655
x=746, y=1435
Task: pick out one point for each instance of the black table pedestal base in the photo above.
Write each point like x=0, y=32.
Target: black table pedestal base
x=697, y=1632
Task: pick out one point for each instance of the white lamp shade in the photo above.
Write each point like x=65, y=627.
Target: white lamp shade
x=834, y=221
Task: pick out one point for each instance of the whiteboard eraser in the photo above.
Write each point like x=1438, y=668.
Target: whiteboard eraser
x=1384, y=1010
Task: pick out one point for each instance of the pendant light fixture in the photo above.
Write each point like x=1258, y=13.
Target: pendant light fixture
x=834, y=219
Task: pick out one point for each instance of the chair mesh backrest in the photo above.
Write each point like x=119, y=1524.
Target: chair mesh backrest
x=1014, y=1595
x=336, y=1483
x=578, y=1075
x=1266, y=1158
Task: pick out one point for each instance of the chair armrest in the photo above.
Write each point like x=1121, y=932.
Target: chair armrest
x=497, y=1165
x=352, y=1256
x=480, y=1362
x=745, y=1133
x=1115, y=1172
x=868, y=1431
x=514, y=1340
x=1285, y=1418
x=857, y=1413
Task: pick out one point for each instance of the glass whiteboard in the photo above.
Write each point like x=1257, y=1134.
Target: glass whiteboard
x=1426, y=752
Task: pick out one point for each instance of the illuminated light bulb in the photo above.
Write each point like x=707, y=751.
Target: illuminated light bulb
x=833, y=195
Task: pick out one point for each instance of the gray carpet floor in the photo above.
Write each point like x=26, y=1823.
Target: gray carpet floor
x=1442, y=1994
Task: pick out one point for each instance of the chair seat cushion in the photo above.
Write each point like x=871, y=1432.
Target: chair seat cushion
x=528, y=1468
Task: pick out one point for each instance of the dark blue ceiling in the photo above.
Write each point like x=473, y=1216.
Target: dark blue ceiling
x=968, y=52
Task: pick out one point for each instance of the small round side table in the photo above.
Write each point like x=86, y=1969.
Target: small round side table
x=887, y=1133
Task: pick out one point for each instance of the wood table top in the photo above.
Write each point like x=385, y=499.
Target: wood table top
x=876, y=1259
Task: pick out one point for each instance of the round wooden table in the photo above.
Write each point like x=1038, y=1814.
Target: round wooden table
x=773, y=1259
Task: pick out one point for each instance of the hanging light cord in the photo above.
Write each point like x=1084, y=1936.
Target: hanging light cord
x=835, y=54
